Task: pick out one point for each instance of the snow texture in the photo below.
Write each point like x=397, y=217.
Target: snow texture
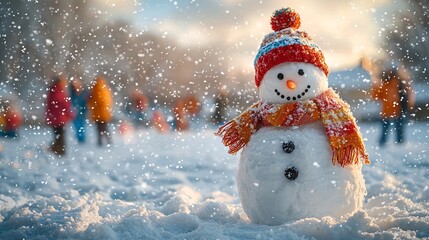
x=182, y=186
x=320, y=188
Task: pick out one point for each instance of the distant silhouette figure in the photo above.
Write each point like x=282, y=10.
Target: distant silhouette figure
x=10, y=121
x=159, y=122
x=79, y=98
x=193, y=105
x=396, y=97
x=180, y=118
x=58, y=113
x=138, y=107
x=220, y=108
x=100, y=104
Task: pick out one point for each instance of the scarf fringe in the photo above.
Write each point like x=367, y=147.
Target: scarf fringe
x=349, y=155
x=231, y=137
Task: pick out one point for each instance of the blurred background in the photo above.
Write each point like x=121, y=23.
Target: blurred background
x=184, y=67
x=168, y=50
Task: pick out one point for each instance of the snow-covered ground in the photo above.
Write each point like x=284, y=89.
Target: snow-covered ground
x=182, y=186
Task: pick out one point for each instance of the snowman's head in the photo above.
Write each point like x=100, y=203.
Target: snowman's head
x=292, y=81
x=289, y=66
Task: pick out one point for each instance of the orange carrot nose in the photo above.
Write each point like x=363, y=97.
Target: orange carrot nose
x=291, y=84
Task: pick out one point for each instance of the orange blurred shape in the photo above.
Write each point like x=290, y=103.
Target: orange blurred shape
x=192, y=104
x=160, y=123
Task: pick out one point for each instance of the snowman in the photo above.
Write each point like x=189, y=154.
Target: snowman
x=302, y=152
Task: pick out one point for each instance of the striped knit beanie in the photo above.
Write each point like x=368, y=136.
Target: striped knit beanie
x=286, y=44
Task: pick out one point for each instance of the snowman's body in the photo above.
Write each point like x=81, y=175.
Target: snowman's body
x=320, y=188
x=286, y=173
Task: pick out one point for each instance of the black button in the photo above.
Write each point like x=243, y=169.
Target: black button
x=288, y=147
x=291, y=173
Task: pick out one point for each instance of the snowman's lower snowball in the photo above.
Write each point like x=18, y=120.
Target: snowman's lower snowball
x=320, y=189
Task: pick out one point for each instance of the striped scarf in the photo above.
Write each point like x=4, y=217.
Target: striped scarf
x=340, y=126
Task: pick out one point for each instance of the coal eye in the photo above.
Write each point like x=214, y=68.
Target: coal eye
x=280, y=76
x=301, y=72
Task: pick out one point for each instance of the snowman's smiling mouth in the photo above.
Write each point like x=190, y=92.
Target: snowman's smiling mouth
x=292, y=97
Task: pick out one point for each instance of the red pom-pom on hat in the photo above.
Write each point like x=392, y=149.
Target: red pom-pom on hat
x=285, y=18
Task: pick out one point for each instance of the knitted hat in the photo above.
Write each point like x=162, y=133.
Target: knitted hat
x=286, y=44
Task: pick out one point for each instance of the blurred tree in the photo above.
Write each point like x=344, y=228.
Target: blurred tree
x=35, y=40
x=20, y=56
x=407, y=38
x=41, y=38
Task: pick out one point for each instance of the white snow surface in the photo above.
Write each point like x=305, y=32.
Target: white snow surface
x=320, y=189
x=182, y=186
